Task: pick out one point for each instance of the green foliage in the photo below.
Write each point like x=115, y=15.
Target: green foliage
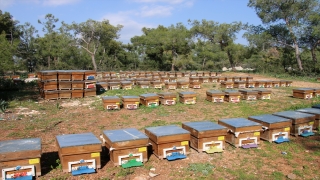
x=202, y=168
x=3, y=105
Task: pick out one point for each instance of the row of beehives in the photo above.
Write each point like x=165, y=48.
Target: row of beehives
x=66, y=75
x=306, y=93
x=67, y=94
x=80, y=153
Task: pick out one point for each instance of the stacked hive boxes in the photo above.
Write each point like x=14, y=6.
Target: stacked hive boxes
x=66, y=84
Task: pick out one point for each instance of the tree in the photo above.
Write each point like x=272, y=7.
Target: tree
x=8, y=26
x=7, y=51
x=93, y=35
x=291, y=12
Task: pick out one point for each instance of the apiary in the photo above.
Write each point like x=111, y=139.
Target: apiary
x=302, y=123
x=215, y=96
x=182, y=84
x=232, y=96
x=235, y=78
x=276, y=84
x=89, y=84
x=195, y=85
x=143, y=84
x=77, y=85
x=64, y=75
x=50, y=95
x=274, y=128
x=49, y=85
x=242, y=132
x=220, y=79
x=316, y=92
x=239, y=84
x=170, y=142
x=102, y=86
x=130, y=102
x=283, y=83
x=206, y=136
x=77, y=75
x=111, y=102
x=204, y=79
x=49, y=75
x=127, y=147
x=77, y=93
x=249, y=78
x=114, y=85
x=126, y=85
x=263, y=93
x=248, y=95
x=213, y=79
x=260, y=84
x=303, y=93
x=314, y=111
x=267, y=84
x=226, y=84
x=171, y=85
x=168, y=98
x=251, y=84
x=20, y=159
x=79, y=153
x=156, y=84
x=149, y=100
x=89, y=92
x=178, y=74
x=194, y=79
x=65, y=85
x=65, y=94
x=187, y=97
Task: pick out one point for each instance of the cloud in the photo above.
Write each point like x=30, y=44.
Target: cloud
x=7, y=3
x=149, y=11
x=58, y=2
x=161, y=1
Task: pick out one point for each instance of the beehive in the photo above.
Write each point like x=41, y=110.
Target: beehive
x=127, y=147
x=130, y=102
x=171, y=85
x=65, y=85
x=267, y=84
x=218, y=74
x=195, y=84
x=186, y=74
x=260, y=84
x=102, y=86
x=206, y=136
x=143, y=84
x=274, y=128
x=114, y=85
x=49, y=75
x=232, y=96
x=49, y=85
x=242, y=132
x=263, y=93
x=213, y=74
x=228, y=79
x=276, y=84
x=168, y=98
x=64, y=75
x=111, y=102
x=149, y=100
x=65, y=94
x=283, y=83
x=77, y=93
x=314, y=111
x=171, y=74
x=302, y=123
x=77, y=75
x=79, y=153
x=220, y=79
x=89, y=84
x=126, y=85
x=89, y=74
x=89, y=92
x=206, y=73
x=50, y=95
x=215, y=96
x=303, y=93
x=182, y=84
x=77, y=85
x=213, y=79
x=226, y=84
x=316, y=92
x=193, y=74
x=178, y=74
x=249, y=95
x=288, y=83
x=20, y=158
x=249, y=78
x=251, y=84
x=236, y=78
x=239, y=84
x=170, y=142
x=187, y=97
x=193, y=79
x=204, y=79
x=156, y=84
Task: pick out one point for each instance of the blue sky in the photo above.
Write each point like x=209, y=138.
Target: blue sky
x=132, y=14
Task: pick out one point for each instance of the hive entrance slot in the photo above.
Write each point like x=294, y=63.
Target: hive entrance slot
x=174, y=153
x=19, y=172
x=131, y=160
x=82, y=167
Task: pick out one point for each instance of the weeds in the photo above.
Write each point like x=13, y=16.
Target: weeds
x=204, y=169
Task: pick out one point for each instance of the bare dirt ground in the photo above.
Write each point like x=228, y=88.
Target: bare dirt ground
x=47, y=119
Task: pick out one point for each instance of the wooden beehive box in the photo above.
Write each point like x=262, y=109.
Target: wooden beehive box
x=288, y=83
x=168, y=98
x=31, y=75
x=243, y=78
x=206, y=73
x=220, y=79
x=218, y=74
x=149, y=100
x=143, y=84
x=111, y=102
x=236, y=78
x=77, y=85
x=170, y=142
x=276, y=84
x=171, y=85
x=200, y=73
x=164, y=79
x=303, y=93
x=186, y=74
x=89, y=74
x=274, y=128
x=156, y=84
x=90, y=84
x=49, y=85
x=171, y=74
x=248, y=95
x=133, y=81
x=102, y=86
x=77, y=75
x=213, y=79
x=213, y=74
x=172, y=79
x=251, y=84
x=226, y=84
x=65, y=85
x=51, y=95
x=126, y=85
x=316, y=92
x=239, y=84
x=193, y=74
x=89, y=92
x=78, y=93
x=215, y=96
x=242, y=132
x=228, y=79
x=49, y=75
x=283, y=83
x=182, y=84
x=123, y=74
x=195, y=85
x=127, y=147
x=79, y=150
x=267, y=84
x=20, y=158
x=263, y=93
x=105, y=74
x=178, y=74
x=302, y=123
x=65, y=94
x=232, y=96
x=206, y=136
x=130, y=102
x=204, y=79
x=64, y=75
x=114, y=85
x=193, y=79
x=314, y=111
x=249, y=78
x=260, y=84
x=187, y=97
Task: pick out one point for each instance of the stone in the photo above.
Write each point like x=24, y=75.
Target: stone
x=292, y=176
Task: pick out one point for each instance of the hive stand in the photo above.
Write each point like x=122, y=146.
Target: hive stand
x=127, y=147
x=302, y=123
x=215, y=96
x=111, y=102
x=242, y=132
x=187, y=97
x=20, y=158
x=206, y=136
x=168, y=98
x=130, y=102
x=274, y=128
x=314, y=111
x=149, y=100
x=303, y=93
x=170, y=142
x=79, y=153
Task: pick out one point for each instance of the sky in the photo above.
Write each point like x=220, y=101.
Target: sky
x=132, y=14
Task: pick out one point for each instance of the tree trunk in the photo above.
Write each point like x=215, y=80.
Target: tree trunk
x=172, y=67
x=297, y=52
x=203, y=63
x=313, y=54
x=231, y=60
x=94, y=62
x=49, y=62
